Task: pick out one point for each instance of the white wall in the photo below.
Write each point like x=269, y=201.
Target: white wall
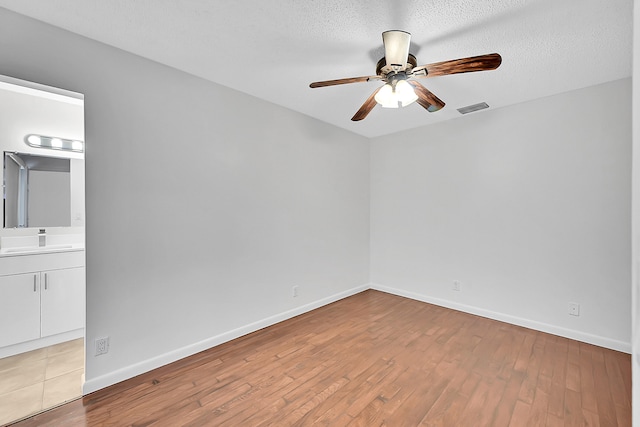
x=527, y=206
x=27, y=112
x=635, y=259
x=179, y=259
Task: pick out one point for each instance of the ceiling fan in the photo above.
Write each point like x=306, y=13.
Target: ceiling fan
x=398, y=70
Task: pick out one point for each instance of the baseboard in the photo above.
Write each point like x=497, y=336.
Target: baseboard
x=23, y=347
x=131, y=371
x=514, y=320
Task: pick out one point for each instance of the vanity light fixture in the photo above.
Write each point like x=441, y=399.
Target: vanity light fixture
x=53, y=143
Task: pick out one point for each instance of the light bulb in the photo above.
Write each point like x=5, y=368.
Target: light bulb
x=34, y=139
x=76, y=145
x=56, y=142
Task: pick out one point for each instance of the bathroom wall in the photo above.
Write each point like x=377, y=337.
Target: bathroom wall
x=25, y=111
x=205, y=206
x=527, y=207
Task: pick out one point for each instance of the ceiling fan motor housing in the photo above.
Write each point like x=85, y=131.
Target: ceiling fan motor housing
x=383, y=70
x=396, y=48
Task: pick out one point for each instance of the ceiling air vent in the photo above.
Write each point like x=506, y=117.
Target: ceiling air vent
x=472, y=108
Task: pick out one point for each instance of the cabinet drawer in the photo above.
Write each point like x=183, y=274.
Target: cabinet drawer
x=41, y=262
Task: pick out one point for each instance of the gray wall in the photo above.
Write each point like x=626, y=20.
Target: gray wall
x=528, y=207
x=635, y=260
x=181, y=258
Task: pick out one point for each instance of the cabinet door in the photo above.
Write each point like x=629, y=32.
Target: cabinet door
x=62, y=300
x=19, y=308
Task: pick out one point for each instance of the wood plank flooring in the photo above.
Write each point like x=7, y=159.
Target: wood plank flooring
x=373, y=359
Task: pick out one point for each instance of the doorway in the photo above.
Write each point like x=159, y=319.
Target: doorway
x=42, y=261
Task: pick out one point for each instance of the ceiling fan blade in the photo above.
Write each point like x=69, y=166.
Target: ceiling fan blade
x=366, y=108
x=344, y=81
x=426, y=98
x=396, y=48
x=457, y=66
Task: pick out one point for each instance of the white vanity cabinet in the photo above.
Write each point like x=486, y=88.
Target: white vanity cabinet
x=19, y=308
x=42, y=300
x=61, y=300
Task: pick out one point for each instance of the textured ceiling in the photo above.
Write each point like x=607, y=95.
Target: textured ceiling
x=274, y=49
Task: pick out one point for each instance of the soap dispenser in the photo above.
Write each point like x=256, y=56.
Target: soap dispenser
x=42, y=237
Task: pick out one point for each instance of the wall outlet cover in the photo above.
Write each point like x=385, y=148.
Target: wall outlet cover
x=102, y=345
x=574, y=309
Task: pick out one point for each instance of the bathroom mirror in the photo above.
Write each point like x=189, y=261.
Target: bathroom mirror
x=37, y=191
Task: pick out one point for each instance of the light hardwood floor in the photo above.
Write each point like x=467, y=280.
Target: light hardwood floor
x=373, y=359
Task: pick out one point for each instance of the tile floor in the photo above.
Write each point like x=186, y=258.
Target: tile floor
x=40, y=379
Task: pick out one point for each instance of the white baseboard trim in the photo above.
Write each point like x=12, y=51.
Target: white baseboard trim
x=131, y=371
x=40, y=343
x=514, y=320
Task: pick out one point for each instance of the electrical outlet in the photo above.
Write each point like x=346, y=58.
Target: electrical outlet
x=294, y=291
x=102, y=345
x=574, y=309
x=456, y=285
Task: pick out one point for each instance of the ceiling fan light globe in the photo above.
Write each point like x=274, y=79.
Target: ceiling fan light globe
x=386, y=97
x=409, y=101
x=405, y=93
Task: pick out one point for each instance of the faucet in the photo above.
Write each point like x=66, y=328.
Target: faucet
x=42, y=237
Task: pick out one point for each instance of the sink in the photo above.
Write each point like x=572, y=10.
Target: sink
x=37, y=249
